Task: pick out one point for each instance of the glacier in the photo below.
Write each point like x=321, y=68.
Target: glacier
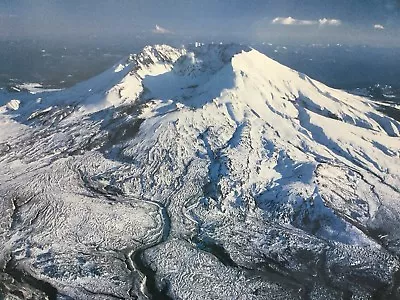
x=204, y=172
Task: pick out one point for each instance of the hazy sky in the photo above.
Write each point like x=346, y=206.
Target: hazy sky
x=347, y=21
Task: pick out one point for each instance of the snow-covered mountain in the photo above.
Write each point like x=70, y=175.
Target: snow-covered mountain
x=207, y=172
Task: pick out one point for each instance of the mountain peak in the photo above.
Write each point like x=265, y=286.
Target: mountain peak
x=200, y=74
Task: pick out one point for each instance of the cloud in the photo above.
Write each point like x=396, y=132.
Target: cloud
x=330, y=22
x=379, y=27
x=293, y=21
x=161, y=30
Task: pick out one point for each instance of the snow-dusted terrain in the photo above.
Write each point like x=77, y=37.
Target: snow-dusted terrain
x=207, y=172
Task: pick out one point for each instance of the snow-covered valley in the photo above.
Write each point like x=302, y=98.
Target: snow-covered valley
x=206, y=172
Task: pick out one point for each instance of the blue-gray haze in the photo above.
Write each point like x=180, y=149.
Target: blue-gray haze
x=374, y=22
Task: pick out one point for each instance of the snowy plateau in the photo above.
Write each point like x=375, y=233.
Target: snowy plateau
x=205, y=172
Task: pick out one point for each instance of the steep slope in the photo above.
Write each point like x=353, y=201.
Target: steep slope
x=198, y=173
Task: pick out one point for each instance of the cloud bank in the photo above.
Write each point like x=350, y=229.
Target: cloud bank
x=331, y=22
x=379, y=27
x=291, y=21
x=297, y=22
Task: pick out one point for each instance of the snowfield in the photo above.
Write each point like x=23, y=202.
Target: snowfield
x=206, y=172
